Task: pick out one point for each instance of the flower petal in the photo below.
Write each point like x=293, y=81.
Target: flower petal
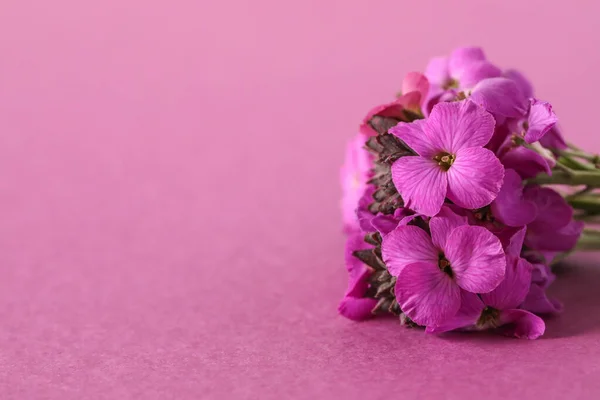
x=476, y=258
x=406, y=245
x=414, y=136
x=553, y=140
x=463, y=57
x=475, y=178
x=426, y=294
x=500, y=96
x=437, y=71
x=511, y=292
x=553, y=210
x=522, y=82
x=415, y=82
x=522, y=324
x=526, y=162
x=422, y=184
x=515, y=243
x=443, y=224
x=538, y=302
x=563, y=239
x=394, y=109
x=541, y=120
x=470, y=310
x=357, y=308
x=384, y=224
x=354, y=175
x=452, y=126
x=472, y=74
x=509, y=207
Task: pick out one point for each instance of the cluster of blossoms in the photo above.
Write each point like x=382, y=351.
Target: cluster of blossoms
x=448, y=225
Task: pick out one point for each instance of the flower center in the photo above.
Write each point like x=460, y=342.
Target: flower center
x=451, y=84
x=444, y=160
x=517, y=140
x=484, y=214
x=444, y=265
x=488, y=318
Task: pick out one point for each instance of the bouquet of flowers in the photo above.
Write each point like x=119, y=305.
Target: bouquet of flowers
x=458, y=196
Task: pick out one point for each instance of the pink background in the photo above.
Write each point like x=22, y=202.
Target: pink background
x=169, y=225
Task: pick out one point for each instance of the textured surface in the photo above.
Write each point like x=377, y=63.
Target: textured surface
x=168, y=190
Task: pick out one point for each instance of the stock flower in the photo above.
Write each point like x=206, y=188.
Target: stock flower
x=354, y=305
x=510, y=207
x=501, y=97
x=414, y=90
x=354, y=174
x=554, y=228
x=500, y=307
x=465, y=67
x=451, y=161
x=432, y=270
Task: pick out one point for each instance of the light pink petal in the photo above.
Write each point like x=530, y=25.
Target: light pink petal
x=463, y=57
x=553, y=210
x=415, y=82
x=422, y=184
x=413, y=135
x=357, y=308
x=500, y=96
x=394, y=109
x=354, y=174
x=528, y=163
x=452, y=126
x=538, y=302
x=470, y=310
x=442, y=224
x=511, y=292
x=553, y=140
x=406, y=245
x=563, y=239
x=473, y=74
x=522, y=82
x=541, y=120
x=476, y=258
x=509, y=207
x=437, y=71
x=522, y=324
x=475, y=178
x=426, y=294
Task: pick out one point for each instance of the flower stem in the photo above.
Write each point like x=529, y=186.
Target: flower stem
x=569, y=177
x=589, y=240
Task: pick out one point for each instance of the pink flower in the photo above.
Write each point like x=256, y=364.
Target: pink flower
x=354, y=305
x=501, y=97
x=500, y=307
x=465, y=67
x=414, y=90
x=510, y=207
x=451, y=160
x=554, y=228
x=432, y=270
x=354, y=174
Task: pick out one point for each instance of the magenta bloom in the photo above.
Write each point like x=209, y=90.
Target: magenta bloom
x=510, y=207
x=465, y=67
x=354, y=305
x=500, y=307
x=553, y=229
x=432, y=270
x=451, y=160
x=354, y=175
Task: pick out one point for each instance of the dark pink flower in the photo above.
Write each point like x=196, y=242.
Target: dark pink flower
x=354, y=305
x=432, y=270
x=500, y=307
x=553, y=229
x=451, y=160
x=354, y=174
x=501, y=97
x=510, y=207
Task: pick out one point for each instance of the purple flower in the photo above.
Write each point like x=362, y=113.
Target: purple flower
x=451, y=160
x=432, y=270
x=500, y=307
x=540, y=120
x=354, y=305
x=501, y=97
x=553, y=140
x=354, y=175
x=553, y=229
x=526, y=161
x=465, y=67
x=510, y=207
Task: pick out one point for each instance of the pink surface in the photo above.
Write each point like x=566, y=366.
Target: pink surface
x=168, y=189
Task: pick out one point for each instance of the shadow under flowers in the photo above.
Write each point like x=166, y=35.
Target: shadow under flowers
x=578, y=287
